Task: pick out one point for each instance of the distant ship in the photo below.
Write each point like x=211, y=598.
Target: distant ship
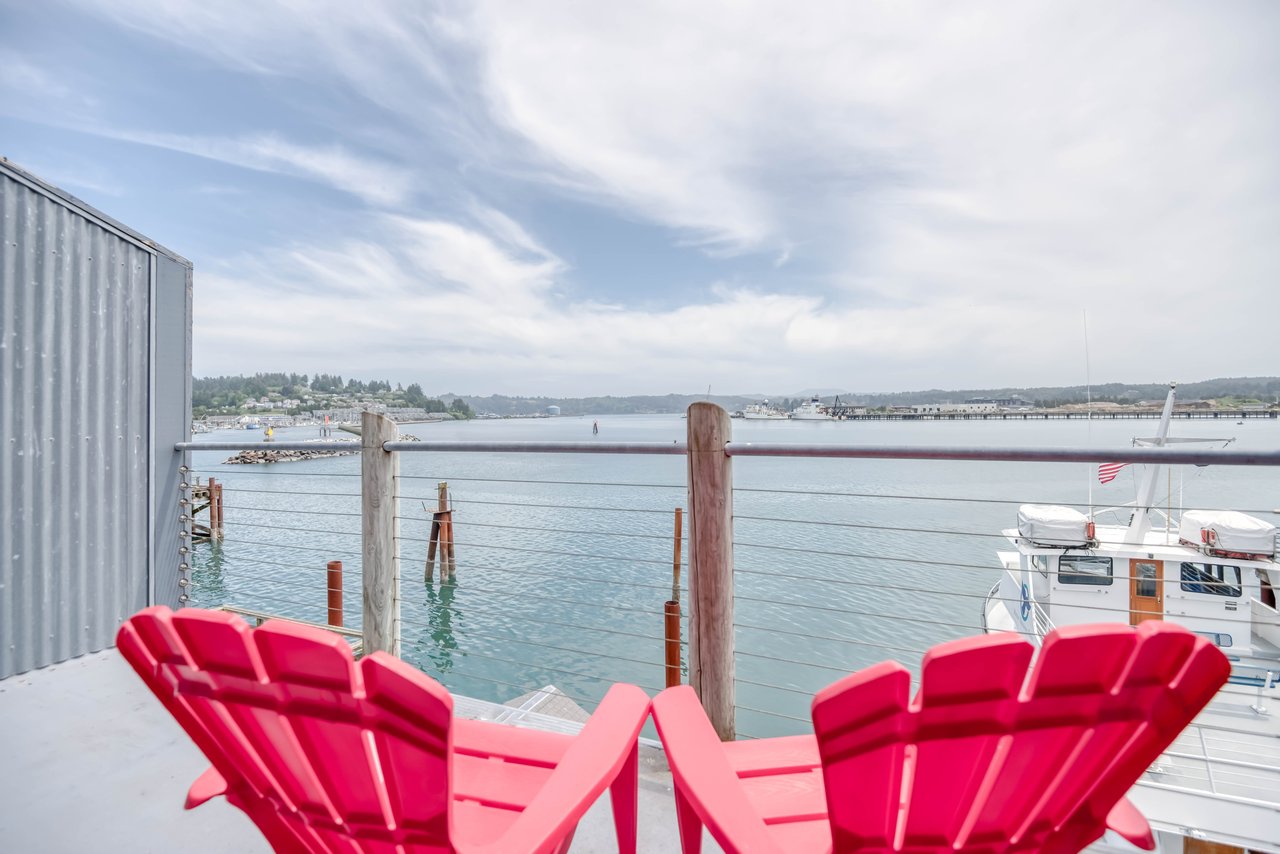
x=813, y=410
x=763, y=412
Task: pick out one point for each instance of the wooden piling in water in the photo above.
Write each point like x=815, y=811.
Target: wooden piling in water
x=441, y=540
x=335, y=592
x=671, y=610
x=215, y=509
x=671, y=628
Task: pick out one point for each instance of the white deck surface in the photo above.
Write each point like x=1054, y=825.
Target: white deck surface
x=91, y=762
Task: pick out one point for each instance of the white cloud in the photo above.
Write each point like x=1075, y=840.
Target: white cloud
x=954, y=183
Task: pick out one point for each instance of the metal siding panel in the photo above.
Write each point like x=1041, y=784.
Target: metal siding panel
x=172, y=420
x=77, y=454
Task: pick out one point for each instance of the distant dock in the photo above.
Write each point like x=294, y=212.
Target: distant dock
x=842, y=414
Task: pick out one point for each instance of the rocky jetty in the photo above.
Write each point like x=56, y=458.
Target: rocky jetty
x=272, y=455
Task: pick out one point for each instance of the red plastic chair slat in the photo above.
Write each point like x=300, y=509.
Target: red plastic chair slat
x=325, y=755
x=859, y=722
x=986, y=758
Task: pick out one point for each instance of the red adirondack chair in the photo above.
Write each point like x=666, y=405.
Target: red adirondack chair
x=326, y=754
x=984, y=759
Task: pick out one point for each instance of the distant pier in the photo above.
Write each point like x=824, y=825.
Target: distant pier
x=849, y=414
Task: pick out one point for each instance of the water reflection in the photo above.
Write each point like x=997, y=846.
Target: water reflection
x=433, y=649
x=209, y=585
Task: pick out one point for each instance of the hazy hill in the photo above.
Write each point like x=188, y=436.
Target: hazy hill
x=1262, y=389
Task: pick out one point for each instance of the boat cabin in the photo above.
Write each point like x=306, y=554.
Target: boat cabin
x=1216, y=574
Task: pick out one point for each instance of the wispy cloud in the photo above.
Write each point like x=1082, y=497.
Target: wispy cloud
x=375, y=181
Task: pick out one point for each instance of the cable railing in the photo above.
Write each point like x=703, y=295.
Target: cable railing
x=836, y=557
x=545, y=591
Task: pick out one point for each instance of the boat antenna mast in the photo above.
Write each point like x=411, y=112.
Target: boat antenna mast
x=1088, y=406
x=1140, y=524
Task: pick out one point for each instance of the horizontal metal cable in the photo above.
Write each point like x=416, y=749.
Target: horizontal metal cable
x=320, y=592
x=892, y=496
x=317, y=568
x=660, y=448
x=844, y=671
x=772, y=714
x=292, y=492
x=523, y=504
x=579, y=626
x=802, y=692
x=596, y=605
x=297, y=548
x=240, y=523
x=951, y=499
x=523, y=689
x=542, y=482
x=969, y=627
x=1208, y=727
x=528, y=666
x=990, y=534
x=614, y=558
x=1009, y=454
x=666, y=537
x=473, y=633
x=854, y=582
x=811, y=636
x=1232, y=763
x=912, y=560
x=278, y=600
x=292, y=510
x=589, y=579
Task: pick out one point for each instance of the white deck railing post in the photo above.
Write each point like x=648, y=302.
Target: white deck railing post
x=380, y=565
x=711, y=565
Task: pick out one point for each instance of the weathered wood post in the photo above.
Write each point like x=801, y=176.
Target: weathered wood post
x=711, y=565
x=379, y=570
x=215, y=509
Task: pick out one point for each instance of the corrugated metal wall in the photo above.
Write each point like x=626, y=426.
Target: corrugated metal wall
x=81, y=460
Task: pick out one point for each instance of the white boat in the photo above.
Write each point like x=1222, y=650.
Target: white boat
x=763, y=412
x=811, y=410
x=1214, y=572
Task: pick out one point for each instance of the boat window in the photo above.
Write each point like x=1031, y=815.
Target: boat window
x=1218, y=638
x=1144, y=582
x=1041, y=564
x=1084, y=569
x=1214, y=579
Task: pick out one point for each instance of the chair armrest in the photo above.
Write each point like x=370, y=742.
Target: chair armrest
x=207, y=786
x=590, y=764
x=703, y=774
x=1126, y=820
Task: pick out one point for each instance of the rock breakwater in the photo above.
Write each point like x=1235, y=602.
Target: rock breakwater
x=254, y=456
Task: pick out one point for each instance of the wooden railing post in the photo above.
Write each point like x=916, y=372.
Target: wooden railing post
x=380, y=566
x=711, y=565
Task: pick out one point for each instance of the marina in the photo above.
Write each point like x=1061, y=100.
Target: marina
x=838, y=564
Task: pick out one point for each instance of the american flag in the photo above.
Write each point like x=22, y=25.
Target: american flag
x=1107, y=471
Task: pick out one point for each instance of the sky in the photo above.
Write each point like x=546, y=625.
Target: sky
x=585, y=198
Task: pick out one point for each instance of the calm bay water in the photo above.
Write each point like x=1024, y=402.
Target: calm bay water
x=564, y=561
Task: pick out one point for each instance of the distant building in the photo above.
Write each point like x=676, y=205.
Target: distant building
x=940, y=408
x=1014, y=402
x=553, y=410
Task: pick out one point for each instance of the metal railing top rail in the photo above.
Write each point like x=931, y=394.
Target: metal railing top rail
x=322, y=445
x=1008, y=453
